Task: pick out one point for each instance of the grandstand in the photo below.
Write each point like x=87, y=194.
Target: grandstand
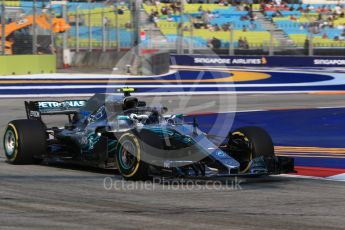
x=285, y=27
x=212, y=20
x=327, y=28
x=294, y=20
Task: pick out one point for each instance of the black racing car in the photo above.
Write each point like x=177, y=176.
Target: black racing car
x=120, y=131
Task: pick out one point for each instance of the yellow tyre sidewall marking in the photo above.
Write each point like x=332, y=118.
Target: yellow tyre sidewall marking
x=251, y=154
x=136, y=142
x=14, y=156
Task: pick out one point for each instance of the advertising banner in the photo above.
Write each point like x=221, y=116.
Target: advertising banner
x=274, y=61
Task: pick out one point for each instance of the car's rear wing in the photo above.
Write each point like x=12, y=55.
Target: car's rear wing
x=35, y=109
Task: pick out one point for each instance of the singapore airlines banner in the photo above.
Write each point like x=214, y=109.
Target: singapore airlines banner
x=278, y=61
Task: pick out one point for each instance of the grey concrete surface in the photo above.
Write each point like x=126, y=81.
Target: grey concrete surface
x=67, y=197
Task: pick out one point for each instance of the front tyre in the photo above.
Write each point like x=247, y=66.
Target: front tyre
x=248, y=143
x=129, y=158
x=24, y=140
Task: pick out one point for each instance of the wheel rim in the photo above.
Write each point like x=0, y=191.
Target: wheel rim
x=127, y=155
x=10, y=143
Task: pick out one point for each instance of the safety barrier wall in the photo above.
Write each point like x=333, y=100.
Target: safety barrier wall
x=268, y=61
x=27, y=64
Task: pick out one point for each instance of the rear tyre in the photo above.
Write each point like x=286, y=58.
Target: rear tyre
x=24, y=141
x=248, y=143
x=129, y=158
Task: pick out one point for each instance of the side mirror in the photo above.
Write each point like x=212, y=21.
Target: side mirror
x=69, y=126
x=141, y=103
x=164, y=110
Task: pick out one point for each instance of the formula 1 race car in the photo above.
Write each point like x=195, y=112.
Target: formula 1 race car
x=120, y=131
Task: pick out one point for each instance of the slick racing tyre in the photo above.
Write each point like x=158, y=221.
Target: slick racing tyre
x=129, y=158
x=24, y=140
x=249, y=143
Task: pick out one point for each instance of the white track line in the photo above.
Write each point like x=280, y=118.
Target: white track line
x=338, y=178
x=76, y=76
x=160, y=94
x=336, y=81
x=301, y=176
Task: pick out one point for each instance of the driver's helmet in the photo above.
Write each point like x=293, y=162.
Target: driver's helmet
x=130, y=103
